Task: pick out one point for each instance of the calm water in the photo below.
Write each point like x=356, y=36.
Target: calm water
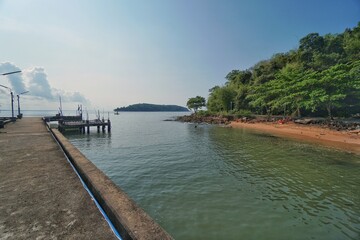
x=217, y=183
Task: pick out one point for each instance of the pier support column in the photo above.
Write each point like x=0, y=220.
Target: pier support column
x=60, y=126
x=103, y=128
x=88, y=126
x=109, y=125
x=98, y=129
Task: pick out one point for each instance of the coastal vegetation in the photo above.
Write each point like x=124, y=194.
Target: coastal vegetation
x=196, y=103
x=320, y=78
x=146, y=107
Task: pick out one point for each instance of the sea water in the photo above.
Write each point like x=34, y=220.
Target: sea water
x=211, y=182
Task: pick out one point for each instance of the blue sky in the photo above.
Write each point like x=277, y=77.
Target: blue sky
x=113, y=53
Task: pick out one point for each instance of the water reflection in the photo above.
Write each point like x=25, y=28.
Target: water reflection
x=75, y=135
x=88, y=141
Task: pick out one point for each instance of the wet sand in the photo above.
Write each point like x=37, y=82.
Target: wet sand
x=342, y=140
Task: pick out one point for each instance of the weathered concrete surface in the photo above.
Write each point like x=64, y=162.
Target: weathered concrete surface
x=129, y=219
x=40, y=195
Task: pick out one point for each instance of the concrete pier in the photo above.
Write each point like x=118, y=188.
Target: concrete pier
x=41, y=197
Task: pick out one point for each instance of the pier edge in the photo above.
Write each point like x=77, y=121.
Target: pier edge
x=131, y=221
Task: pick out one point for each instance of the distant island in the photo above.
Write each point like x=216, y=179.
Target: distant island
x=147, y=107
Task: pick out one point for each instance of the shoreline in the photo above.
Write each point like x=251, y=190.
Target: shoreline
x=341, y=140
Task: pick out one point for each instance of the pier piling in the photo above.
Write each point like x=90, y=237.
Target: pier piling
x=109, y=126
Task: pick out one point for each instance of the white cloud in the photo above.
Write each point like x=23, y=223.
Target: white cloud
x=15, y=80
x=38, y=84
x=35, y=80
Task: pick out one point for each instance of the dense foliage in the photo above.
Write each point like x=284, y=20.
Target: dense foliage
x=146, y=107
x=320, y=78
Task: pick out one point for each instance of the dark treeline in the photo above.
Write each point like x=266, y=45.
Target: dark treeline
x=320, y=78
x=147, y=107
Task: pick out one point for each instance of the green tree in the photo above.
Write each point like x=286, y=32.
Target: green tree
x=258, y=100
x=321, y=77
x=214, y=102
x=263, y=72
x=290, y=90
x=221, y=99
x=196, y=103
x=351, y=43
x=329, y=89
x=236, y=78
x=241, y=103
x=238, y=83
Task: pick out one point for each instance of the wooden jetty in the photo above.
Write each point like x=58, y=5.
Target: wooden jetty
x=85, y=124
x=77, y=123
x=59, y=117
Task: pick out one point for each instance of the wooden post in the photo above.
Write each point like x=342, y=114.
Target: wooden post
x=98, y=129
x=109, y=125
x=88, y=126
x=60, y=126
x=103, y=128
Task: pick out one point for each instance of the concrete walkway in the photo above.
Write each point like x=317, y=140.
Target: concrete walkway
x=40, y=195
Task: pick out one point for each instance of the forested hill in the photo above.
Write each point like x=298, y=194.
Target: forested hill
x=146, y=107
x=319, y=78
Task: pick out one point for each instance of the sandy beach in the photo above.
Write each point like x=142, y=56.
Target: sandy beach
x=342, y=140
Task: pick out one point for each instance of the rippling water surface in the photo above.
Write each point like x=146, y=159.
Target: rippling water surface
x=211, y=182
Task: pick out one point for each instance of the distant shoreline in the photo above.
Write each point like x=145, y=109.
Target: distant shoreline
x=342, y=140
x=147, y=111
x=148, y=107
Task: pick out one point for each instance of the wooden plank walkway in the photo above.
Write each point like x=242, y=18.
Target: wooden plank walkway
x=41, y=197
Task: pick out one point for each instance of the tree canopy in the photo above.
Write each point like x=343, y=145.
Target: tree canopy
x=321, y=78
x=196, y=103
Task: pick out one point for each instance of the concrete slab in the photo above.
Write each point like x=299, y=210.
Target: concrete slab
x=40, y=195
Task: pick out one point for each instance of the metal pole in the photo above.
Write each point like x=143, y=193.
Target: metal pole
x=18, y=98
x=12, y=96
x=8, y=73
x=12, y=104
